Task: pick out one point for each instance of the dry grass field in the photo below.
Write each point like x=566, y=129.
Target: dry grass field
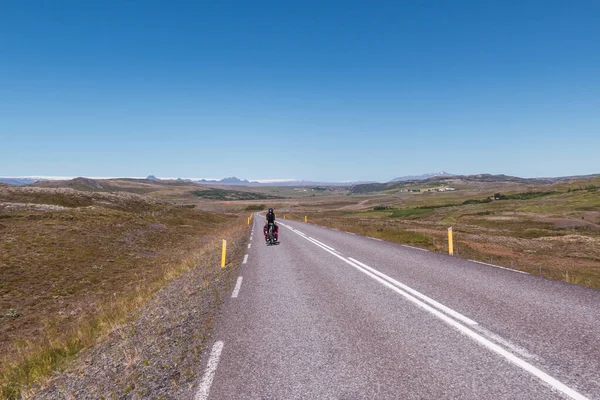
x=74, y=264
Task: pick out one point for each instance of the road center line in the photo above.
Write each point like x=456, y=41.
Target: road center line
x=323, y=244
x=245, y=259
x=209, y=372
x=553, y=382
x=249, y=245
x=556, y=384
x=395, y=283
x=499, y=339
x=236, y=290
x=415, y=293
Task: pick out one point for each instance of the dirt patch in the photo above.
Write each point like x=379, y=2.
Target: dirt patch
x=592, y=216
x=566, y=223
x=7, y=206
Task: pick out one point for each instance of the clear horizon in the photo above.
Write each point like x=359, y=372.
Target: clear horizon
x=260, y=180
x=330, y=91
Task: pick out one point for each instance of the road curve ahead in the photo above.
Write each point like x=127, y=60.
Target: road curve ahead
x=331, y=315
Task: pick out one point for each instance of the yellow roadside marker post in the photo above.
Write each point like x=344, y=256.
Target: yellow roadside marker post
x=450, y=242
x=223, y=253
x=248, y=220
x=305, y=218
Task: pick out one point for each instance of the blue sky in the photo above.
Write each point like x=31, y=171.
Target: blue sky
x=315, y=90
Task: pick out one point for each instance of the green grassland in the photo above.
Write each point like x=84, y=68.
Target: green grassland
x=228, y=194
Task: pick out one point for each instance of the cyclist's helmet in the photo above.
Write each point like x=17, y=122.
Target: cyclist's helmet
x=270, y=210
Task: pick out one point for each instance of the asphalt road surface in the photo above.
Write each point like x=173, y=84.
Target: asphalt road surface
x=331, y=315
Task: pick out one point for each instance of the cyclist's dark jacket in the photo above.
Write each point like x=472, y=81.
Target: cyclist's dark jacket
x=271, y=217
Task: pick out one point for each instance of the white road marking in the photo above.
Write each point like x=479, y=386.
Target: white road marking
x=236, y=290
x=245, y=259
x=497, y=266
x=375, y=238
x=209, y=372
x=506, y=343
x=352, y=233
x=554, y=383
x=323, y=244
x=250, y=237
x=320, y=244
x=413, y=247
x=249, y=245
x=415, y=293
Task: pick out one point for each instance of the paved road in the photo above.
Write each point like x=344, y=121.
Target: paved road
x=331, y=315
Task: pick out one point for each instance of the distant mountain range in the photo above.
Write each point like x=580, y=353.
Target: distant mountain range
x=422, y=177
x=227, y=181
x=19, y=181
x=450, y=180
x=233, y=181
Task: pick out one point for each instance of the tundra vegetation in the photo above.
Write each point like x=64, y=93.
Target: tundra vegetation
x=75, y=265
x=548, y=228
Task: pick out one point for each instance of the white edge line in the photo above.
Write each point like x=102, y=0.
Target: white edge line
x=420, y=295
x=413, y=247
x=497, y=266
x=238, y=285
x=556, y=384
x=249, y=245
x=209, y=372
x=245, y=259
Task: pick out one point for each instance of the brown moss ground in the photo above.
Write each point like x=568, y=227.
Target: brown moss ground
x=66, y=256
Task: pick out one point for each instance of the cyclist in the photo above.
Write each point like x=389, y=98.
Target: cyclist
x=270, y=219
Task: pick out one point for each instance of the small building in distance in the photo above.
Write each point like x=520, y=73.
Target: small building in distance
x=446, y=189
